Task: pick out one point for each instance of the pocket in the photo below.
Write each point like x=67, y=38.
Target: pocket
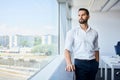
x=78, y=40
x=97, y=63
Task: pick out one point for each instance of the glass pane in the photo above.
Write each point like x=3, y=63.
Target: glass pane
x=28, y=37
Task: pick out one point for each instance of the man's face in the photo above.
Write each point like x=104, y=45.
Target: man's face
x=83, y=17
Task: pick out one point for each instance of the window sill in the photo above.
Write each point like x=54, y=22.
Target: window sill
x=54, y=71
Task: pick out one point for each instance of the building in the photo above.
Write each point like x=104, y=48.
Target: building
x=49, y=39
x=4, y=41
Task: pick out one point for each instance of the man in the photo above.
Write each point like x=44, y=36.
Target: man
x=82, y=41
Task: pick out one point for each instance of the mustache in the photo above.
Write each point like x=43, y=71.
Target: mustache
x=82, y=21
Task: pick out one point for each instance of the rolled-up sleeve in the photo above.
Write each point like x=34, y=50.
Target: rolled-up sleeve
x=69, y=41
x=96, y=46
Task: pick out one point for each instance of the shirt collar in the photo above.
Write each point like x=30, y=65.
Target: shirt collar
x=88, y=29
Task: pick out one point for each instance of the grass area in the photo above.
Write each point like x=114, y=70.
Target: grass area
x=24, y=59
x=25, y=56
x=14, y=63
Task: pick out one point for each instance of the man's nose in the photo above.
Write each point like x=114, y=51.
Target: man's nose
x=80, y=17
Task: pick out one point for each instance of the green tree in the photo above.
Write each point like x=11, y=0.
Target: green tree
x=0, y=46
x=37, y=41
x=24, y=43
x=46, y=49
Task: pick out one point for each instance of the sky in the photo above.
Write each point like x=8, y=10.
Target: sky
x=28, y=17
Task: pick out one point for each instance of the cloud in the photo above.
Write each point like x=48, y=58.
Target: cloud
x=42, y=30
x=45, y=30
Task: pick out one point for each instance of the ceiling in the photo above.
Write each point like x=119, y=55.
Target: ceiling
x=97, y=5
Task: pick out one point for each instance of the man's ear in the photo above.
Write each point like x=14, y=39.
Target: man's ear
x=88, y=17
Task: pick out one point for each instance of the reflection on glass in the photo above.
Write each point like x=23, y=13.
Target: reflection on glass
x=28, y=37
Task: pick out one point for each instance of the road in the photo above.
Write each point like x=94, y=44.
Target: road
x=12, y=75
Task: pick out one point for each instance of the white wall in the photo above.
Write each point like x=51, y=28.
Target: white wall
x=108, y=26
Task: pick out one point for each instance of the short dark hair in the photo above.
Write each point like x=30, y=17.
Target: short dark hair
x=84, y=9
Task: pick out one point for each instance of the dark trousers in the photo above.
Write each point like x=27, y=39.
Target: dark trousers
x=86, y=69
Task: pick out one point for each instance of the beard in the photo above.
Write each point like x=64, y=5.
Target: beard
x=82, y=21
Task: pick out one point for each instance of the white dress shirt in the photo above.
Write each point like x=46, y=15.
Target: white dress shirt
x=82, y=44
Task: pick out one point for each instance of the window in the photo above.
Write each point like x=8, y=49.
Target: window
x=28, y=37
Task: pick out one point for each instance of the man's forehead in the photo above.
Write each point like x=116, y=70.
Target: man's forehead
x=82, y=12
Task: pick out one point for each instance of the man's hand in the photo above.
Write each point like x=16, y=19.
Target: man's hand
x=70, y=68
x=97, y=56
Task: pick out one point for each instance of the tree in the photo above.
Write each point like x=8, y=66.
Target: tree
x=24, y=43
x=46, y=49
x=37, y=41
